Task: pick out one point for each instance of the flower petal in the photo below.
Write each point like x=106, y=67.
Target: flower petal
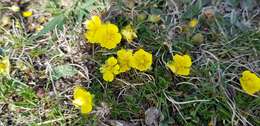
x=108, y=76
x=86, y=108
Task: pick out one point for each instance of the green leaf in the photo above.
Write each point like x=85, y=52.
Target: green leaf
x=56, y=22
x=63, y=71
x=194, y=10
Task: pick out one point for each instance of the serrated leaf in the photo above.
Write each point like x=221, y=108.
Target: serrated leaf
x=56, y=22
x=63, y=71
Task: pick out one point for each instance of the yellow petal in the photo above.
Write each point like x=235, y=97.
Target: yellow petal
x=108, y=76
x=27, y=13
x=91, y=36
x=116, y=69
x=177, y=58
x=94, y=26
x=248, y=87
x=112, y=28
x=83, y=99
x=183, y=71
x=94, y=23
x=86, y=108
x=172, y=67
x=258, y=82
x=81, y=93
x=112, y=41
x=124, y=58
x=111, y=61
x=117, y=38
x=187, y=61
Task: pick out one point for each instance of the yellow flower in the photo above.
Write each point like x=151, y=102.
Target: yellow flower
x=4, y=66
x=110, y=69
x=108, y=36
x=124, y=58
x=83, y=99
x=128, y=33
x=180, y=64
x=141, y=60
x=250, y=82
x=27, y=14
x=93, y=26
x=193, y=23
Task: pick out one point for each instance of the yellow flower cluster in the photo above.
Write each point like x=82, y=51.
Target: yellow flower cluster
x=83, y=99
x=105, y=34
x=180, y=65
x=4, y=66
x=140, y=60
x=250, y=82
